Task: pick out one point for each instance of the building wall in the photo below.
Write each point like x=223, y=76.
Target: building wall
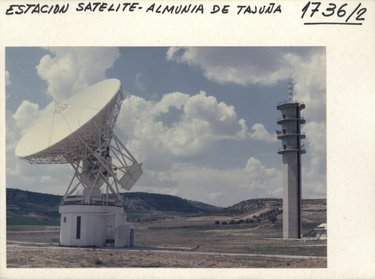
x=98, y=223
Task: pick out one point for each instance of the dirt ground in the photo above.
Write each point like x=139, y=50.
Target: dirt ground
x=175, y=242
x=56, y=257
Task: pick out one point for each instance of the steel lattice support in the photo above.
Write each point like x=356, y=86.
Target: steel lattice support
x=110, y=165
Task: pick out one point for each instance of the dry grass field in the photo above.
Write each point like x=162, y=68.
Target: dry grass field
x=177, y=242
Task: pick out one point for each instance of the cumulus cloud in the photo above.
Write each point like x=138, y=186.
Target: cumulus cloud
x=7, y=78
x=68, y=70
x=263, y=181
x=265, y=66
x=199, y=121
x=243, y=66
x=310, y=87
x=268, y=66
x=259, y=132
x=314, y=170
x=171, y=135
x=25, y=115
x=172, y=152
x=255, y=169
x=213, y=185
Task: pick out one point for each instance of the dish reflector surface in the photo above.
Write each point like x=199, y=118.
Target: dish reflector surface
x=68, y=131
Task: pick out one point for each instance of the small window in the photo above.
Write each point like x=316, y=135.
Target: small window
x=284, y=146
x=284, y=116
x=64, y=219
x=284, y=131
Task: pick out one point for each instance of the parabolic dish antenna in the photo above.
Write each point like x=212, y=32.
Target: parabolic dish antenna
x=79, y=131
x=87, y=117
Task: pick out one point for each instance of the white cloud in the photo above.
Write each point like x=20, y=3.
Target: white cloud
x=267, y=66
x=68, y=70
x=25, y=115
x=171, y=153
x=172, y=100
x=16, y=125
x=199, y=121
x=215, y=186
x=263, y=181
x=243, y=66
x=309, y=73
x=259, y=132
x=171, y=135
x=7, y=78
x=255, y=169
x=314, y=172
x=12, y=132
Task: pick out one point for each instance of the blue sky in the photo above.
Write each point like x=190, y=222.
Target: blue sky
x=202, y=120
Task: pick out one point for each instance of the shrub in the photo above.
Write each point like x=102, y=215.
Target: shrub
x=272, y=218
x=224, y=223
x=217, y=222
x=99, y=261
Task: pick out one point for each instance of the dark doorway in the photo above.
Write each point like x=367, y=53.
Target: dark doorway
x=78, y=232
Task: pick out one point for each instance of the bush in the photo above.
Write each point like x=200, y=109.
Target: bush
x=99, y=261
x=232, y=222
x=217, y=222
x=272, y=218
x=224, y=223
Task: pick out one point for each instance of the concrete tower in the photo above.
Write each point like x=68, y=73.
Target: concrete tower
x=291, y=151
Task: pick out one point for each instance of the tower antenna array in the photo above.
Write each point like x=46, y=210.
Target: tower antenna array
x=291, y=150
x=291, y=91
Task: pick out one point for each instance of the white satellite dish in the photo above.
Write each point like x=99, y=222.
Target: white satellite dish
x=79, y=131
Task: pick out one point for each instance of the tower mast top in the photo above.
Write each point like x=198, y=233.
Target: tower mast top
x=291, y=90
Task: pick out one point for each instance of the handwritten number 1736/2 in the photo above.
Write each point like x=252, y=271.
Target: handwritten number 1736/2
x=333, y=10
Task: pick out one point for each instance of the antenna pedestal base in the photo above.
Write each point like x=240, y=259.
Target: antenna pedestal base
x=94, y=225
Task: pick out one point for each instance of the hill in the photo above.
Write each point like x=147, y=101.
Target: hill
x=31, y=208
x=161, y=202
x=251, y=205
